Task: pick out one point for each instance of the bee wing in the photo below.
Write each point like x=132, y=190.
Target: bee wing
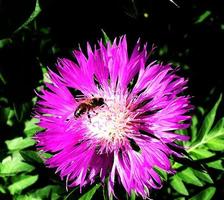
x=80, y=98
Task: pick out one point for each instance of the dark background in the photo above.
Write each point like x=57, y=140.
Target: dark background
x=62, y=25
x=181, y=38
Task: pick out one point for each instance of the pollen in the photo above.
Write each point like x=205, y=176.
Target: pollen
x=109, y=125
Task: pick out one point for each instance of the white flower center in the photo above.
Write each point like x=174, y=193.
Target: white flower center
x=109, y=124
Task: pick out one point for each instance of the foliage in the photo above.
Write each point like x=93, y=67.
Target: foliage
x=196, y=175
x=29, y=46
x=204, y=162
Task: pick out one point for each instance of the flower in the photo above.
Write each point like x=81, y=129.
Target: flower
x=112, y=116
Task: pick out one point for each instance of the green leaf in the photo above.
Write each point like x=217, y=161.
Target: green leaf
x=216, y=145
x=178, y=185
x=161, y=173
x=31, y=128
x=12, y=165
x=19, y=185
x=203, y=16
x=34, y=14
x=19, y=143
x=201, y=153
x=105, y=37
x=6, y=115
x=203, y=176
x=27, y=197
x=48, y=192
x=133, y=196
x=46, y=77
x=201, y=110
x=21, y=110
x=208, y=121
x=208, y=136
x=90, y=193
x=216, y=165
x=31, y=157
x=218, y=129
x=206, y=194
x=180, y=198
x=55, y=196
x=214, y=139
x=105, y=192
x=182, y=131
x=189, y=177
x=194, y=128
x=4, y=42
x=2, y=189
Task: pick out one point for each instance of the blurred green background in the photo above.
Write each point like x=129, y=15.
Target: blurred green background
x=33, y=34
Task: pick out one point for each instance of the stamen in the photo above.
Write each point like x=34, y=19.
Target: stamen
x=110, y=124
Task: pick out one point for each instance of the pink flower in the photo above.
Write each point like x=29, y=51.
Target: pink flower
x=119, y=121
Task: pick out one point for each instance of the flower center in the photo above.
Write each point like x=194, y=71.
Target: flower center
x=109, y=124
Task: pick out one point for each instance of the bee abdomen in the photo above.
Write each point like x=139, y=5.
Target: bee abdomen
x=79, y=111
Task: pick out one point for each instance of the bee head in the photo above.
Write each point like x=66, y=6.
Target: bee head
x=101, y=100
x=98, y=101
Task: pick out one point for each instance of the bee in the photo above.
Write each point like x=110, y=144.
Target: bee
x=89, y=104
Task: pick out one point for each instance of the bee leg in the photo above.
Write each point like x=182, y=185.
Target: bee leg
x=105, y=105
x=94, y=112
x=89, y=116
